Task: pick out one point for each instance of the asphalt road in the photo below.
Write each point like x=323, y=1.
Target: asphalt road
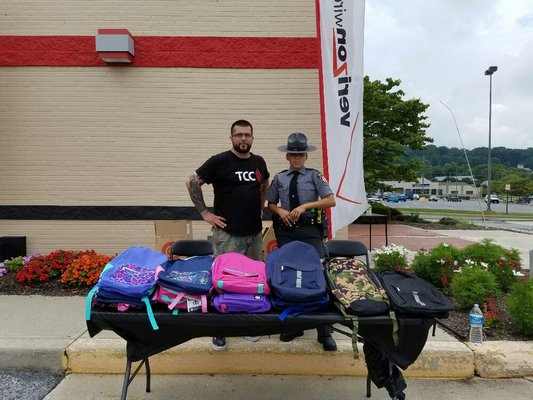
x=465, y=205
x=21, y=385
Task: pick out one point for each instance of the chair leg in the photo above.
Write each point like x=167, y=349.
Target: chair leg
x=368, y=386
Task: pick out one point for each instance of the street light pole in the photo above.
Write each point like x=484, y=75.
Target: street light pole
x=492, y=69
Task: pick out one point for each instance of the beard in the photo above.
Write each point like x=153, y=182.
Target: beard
x=242, y=148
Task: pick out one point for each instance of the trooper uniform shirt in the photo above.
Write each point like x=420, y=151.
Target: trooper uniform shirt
x=311, y=187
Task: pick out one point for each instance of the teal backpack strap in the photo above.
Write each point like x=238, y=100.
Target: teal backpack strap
x=150, y=313
x=89, y=302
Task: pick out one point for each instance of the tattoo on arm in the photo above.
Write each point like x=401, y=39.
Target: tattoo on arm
x=196, y=194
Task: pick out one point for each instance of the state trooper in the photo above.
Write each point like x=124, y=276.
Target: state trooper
x=297, y=198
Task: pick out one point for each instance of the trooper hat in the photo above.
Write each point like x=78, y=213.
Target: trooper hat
x=297, y=143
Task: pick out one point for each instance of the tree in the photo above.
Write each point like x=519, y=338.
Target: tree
x=390, y=125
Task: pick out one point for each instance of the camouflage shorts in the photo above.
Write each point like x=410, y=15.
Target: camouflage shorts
x=249, y=245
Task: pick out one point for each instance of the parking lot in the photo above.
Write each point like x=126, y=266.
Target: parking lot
x=466, y=205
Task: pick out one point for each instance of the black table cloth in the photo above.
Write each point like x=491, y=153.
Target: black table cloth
x=143, y=341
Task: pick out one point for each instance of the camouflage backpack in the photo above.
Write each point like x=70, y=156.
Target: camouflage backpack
x=355, y=287
x=358, y=293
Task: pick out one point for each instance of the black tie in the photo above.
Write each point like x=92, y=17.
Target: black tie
x=293, y=191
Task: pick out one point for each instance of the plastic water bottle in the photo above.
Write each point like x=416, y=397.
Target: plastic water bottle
x=476, y=325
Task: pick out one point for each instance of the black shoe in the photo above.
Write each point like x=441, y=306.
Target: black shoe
x=328, y=343
x=287, y=337
x=218, y=344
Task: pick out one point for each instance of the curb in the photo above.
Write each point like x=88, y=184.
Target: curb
x=268, y=356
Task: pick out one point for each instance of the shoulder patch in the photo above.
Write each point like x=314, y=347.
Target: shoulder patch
x=322, y=178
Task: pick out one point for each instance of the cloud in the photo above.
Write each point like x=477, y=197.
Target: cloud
x=440, y=49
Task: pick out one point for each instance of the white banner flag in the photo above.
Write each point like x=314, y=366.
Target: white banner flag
x=341, y=36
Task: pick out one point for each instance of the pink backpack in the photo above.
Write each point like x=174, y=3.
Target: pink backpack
x=236, y=273
x=181, y=300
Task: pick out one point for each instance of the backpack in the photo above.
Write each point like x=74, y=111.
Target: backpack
x=355, y=287
x=180, y=300
x=296, y=279
x=357, y=293
x=128, y=279
x=414, y=296
x=241, y=303
x=185, y=283
x=235, y=273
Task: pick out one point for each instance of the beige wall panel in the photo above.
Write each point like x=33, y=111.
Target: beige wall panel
x=131, y=136
x=106, y=237
x=159, y=17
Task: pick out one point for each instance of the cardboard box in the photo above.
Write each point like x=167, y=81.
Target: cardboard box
x=167, y=232
x=269, y=241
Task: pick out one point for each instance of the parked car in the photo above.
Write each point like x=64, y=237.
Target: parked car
x=433, y=198
x=454, y=198
x=401, y=197
x=373, y=198
x=392, y=198
x=416, y=196
x=493, y=199
x=524, y=200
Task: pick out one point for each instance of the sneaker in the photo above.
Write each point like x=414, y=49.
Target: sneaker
x=253, y=338
x=328, y=343
x=289, y=336
x=218, y=344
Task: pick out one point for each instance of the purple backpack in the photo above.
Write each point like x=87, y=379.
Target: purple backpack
x=241, y=303
x=128, y=279
x=236, y=273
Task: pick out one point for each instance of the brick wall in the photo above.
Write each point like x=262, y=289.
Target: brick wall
x=131, y=136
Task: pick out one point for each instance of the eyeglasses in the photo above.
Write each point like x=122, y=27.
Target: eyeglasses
x=243, y=135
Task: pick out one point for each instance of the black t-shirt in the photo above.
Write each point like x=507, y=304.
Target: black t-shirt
x=236, y=184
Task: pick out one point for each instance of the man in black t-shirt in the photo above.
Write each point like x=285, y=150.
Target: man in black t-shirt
x=240, y=181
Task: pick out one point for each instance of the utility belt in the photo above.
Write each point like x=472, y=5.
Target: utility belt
x=307, y=218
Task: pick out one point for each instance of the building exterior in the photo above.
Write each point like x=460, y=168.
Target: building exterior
x=425, y=187
x=92, y=153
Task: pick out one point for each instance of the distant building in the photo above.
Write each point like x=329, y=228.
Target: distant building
x=425, y=187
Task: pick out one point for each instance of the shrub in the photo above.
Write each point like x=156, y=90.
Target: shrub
x=448, y=221
x=85, y=269
x=520, y=306
x=42, y=268
x=503, y=263
x=378, y=208
x=437, y=265
x=390, y=258
x=474, y=284
x=15, y=263
x=415, y=217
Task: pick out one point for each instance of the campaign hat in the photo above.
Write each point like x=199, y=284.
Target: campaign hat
x=297, y=143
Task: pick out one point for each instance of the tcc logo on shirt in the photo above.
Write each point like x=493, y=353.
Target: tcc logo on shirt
x=247, y=176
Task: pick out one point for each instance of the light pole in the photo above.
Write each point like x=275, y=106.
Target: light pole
x=492, y=69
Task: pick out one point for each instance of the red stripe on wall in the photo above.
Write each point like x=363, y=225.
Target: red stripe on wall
x=164, y=51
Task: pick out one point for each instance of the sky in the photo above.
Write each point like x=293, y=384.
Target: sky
x=440, y=50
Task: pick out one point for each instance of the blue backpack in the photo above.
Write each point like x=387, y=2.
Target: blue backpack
x=189, y=275
x=296, y=279
x=185, y=283
x=130, y=279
